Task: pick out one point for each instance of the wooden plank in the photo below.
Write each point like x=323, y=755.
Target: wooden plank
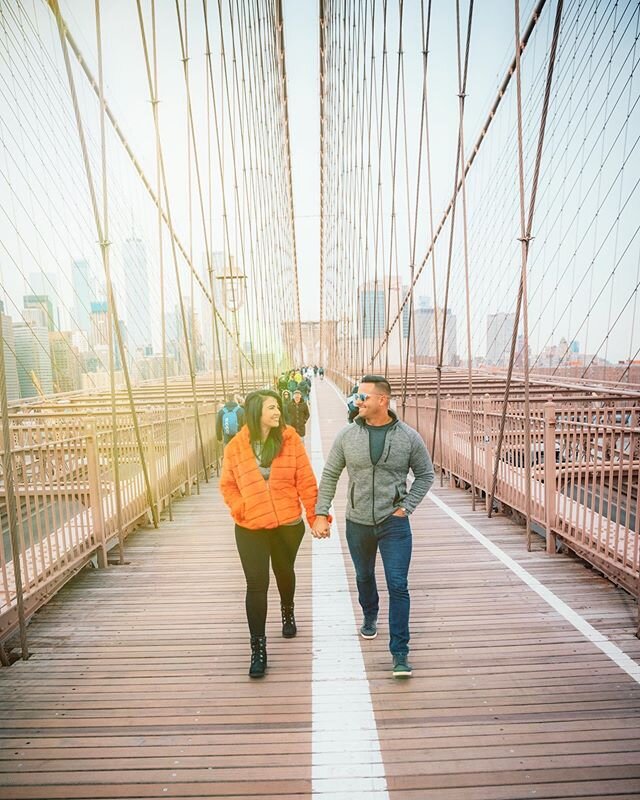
x=138, y=688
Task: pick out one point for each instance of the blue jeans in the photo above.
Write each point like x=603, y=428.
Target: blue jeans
x=393, y=538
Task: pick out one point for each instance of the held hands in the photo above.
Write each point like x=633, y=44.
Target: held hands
x=321, y=528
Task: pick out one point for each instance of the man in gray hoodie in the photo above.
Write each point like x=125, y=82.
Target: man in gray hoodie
x=378, y=451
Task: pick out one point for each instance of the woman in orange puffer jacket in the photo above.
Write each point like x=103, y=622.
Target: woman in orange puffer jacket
x=266, y=473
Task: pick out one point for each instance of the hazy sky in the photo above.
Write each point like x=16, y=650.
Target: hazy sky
x=585, y=230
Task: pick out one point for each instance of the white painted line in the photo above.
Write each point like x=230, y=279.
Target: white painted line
x=343, y=721
x=611, y=650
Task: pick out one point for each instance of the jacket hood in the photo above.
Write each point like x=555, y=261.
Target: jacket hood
x=394, y=418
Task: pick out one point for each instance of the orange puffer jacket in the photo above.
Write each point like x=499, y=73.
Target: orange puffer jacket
x=258, y=504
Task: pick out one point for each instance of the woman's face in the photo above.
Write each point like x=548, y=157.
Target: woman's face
x=270, y=413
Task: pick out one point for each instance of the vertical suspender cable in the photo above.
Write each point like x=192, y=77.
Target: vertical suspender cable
x=191, y=327
x=110, y=294
x=411, y=333
x=163, y=322
x=524, y=248
x=287, y=141
x=322, y=52
x=176, y=243
x=437, y=427
x=219, y=131
x=462, y=82
x=232, y=279
x=183, y=313
x=525, y=254
x=104, y=245
x=394, y=160
x=533, y=21
x=10, y=499
x=378, y=223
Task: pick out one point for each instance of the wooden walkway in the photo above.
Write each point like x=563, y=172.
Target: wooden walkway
x=137, y=685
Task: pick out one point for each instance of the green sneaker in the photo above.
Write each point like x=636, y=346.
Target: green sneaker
x=401, y=667
x=369, y=628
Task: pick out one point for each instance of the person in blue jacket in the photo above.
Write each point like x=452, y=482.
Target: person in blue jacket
x=229, y=420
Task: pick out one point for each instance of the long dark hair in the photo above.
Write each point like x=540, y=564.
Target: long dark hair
x=253, y=414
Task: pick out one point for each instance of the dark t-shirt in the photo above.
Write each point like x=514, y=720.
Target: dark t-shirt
x=377, y=437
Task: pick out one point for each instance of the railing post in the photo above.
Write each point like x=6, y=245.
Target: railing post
x=550, y=488
x=152, y=466
x=95, y=494
x=488, y=449
x=449, y=435
x=187, y=455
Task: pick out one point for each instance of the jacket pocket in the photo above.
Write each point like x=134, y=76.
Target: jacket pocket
x=238, y=510
x=353, y=500
x=401, y=493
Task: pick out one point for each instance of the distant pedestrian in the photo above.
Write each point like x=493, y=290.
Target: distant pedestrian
x=352, y=407
x=229, y=420
x=298, y=413
x=286, y=402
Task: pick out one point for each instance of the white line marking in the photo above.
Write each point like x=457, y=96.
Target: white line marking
x=343, y=721
x=618, y=656
x=611, y=650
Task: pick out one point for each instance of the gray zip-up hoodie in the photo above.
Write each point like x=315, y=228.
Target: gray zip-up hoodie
x=376, y=490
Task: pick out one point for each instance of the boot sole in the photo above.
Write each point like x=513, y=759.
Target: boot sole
x=402, y=675
x=368, y=635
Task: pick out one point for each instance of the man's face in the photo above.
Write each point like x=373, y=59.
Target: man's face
x=373, y=402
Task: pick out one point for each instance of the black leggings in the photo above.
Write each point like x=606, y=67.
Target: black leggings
x=256, y=549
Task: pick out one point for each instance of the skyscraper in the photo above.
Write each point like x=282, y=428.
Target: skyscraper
x=41, y=301
x=499, y=333
x=9, y=348
x=99, y=325
x=65, y=362
x=46, y=283
x=137, y=294
x=33, y=356
x=372, y=310
x=426, y=350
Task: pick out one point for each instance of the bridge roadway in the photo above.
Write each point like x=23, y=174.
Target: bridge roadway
x=137, y=685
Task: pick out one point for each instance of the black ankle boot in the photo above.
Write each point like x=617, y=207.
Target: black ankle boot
x=258, y=656
x=289, y=629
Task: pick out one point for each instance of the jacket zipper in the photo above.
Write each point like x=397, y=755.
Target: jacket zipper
x=373, y=495
x=273, y=505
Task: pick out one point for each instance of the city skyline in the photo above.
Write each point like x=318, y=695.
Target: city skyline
x=49, y=242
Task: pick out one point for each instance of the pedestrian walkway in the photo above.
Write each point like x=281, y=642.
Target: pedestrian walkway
x=137, y=686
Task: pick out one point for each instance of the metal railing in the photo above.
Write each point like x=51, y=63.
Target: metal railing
x=585, y=467
x=64, y=483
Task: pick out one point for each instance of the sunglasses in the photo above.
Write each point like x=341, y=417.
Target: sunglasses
x=362, y=396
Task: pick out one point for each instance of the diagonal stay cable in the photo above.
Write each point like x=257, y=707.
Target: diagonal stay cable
x=183, y=313
x=526, y=239
x=99, y=228
x=535, y=16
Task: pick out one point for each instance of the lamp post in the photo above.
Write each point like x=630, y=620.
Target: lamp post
x=233, y=291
